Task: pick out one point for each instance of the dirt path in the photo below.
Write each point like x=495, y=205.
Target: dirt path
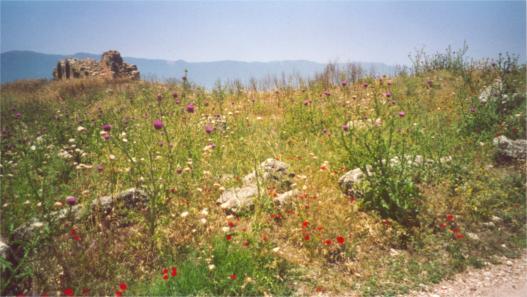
x=504, y=280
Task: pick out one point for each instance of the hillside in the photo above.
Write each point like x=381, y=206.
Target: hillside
x=372, y=188
x=31, y=65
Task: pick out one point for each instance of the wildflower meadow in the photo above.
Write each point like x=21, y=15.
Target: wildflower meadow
x=341, y=184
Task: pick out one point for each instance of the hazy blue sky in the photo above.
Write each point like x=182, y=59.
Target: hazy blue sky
x=262, y=31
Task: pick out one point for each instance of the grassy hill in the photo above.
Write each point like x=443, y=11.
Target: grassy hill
x=66, y=143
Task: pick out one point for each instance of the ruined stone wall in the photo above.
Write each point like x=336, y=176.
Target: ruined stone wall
x=111, y=66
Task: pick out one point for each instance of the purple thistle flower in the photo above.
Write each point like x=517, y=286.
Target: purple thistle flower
x=107, y=127
x=472, y=109
x=100, y=168
x=18, y=115
x=209, y=129
x=402, y=114
x=71, y=200
x=174, y=95
x=388, y=94
x=106, y=136
x=345, y=127
x=158, y=124
x=344, y=82
x=190, y=108
x=178, y=101
x=430, y=83
x=327, y=93
x=365, y=85
x=307, y=102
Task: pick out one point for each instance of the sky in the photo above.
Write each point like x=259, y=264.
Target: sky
x=320, y=31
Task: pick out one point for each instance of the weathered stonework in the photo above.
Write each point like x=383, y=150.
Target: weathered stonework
x=111, y=66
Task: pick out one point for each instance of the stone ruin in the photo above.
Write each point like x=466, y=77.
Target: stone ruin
x=111, y=66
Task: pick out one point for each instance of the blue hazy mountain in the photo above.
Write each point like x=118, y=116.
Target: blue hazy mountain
x=17, y=65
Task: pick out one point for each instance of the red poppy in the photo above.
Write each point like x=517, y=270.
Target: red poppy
x=68, y=292
x=174, y=271
x=305, y=224
x=118, y=293
x=231, y=224
x=319, y=228
x=44, y=295
x=450, y=217
x=340, y=240
x=442, y=226
x=76, y=238
x=85, y=291
x=228, y=237
x=72, y=232
x=307, y=237
x=123, y=286
x=233, y=276
x=328, y=242
x=165, y=276
x=318, y=289
x=456, y=230
x=459, y=236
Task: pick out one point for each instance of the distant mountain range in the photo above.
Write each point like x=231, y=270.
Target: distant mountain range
x=17, y=65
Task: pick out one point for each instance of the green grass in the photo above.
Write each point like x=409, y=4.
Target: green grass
x=255, y=274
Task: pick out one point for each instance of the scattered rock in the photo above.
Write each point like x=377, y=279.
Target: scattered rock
x=270, y=171
x=510, y=149
x=473, y=236
x=492, y=92
x=132, y=198
x=111, y=66
x=27, y=230
x=349, y=180
x=238, y=198
x=284, y=198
